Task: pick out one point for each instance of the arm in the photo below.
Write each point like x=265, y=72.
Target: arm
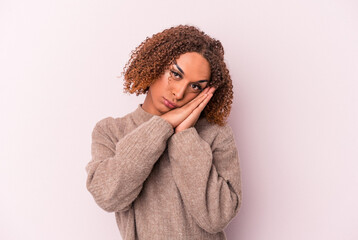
x=208, y=178
x=117, y=170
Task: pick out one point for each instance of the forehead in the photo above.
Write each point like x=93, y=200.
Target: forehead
x=194, y=65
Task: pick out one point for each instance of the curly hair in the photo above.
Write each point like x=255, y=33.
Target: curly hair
x=155, y=54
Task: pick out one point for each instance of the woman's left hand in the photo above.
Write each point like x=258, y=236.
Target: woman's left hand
x=194, y=116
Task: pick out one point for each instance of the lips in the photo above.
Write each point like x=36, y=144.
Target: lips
x=169, y=104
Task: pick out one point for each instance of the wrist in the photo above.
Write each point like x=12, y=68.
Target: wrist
x=163, y=117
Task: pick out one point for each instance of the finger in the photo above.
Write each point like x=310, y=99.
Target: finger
x=203, y=92
x=212, y=90
x=194, y=116
x=197, y=100
x=202, y=105
x=188, y=108
x=195, y=113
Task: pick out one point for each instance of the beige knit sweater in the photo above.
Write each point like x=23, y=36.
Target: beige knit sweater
x=161, y=184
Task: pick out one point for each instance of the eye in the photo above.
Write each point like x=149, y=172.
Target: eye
x=196, y=87
x=175, y=74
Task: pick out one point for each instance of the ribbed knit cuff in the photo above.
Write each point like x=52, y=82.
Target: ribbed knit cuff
x=164, y=123
x=148, y=135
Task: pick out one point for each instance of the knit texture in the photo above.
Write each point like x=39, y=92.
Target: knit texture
x=161, y=184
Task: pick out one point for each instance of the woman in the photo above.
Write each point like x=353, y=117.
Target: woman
x=170, y=169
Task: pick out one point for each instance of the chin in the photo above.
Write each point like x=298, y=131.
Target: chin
x=161, y=109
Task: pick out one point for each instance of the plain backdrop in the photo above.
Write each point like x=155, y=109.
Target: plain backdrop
x=294, y=65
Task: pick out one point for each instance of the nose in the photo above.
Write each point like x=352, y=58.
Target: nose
x=178, y=90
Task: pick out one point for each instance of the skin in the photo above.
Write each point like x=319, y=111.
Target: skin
x=183, y=91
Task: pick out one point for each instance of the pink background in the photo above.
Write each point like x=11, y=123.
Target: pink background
x=295, y=71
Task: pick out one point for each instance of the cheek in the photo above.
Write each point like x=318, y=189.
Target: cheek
x=159, y=86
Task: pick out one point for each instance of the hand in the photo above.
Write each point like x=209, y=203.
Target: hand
x=178, y=115
x=195, y=114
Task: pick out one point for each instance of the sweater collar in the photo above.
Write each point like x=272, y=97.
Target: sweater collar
x=140, y=115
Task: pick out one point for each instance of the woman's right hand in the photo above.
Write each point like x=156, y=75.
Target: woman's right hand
x=178, y=115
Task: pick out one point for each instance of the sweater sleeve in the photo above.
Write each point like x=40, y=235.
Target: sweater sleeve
x=208, y=177
x=117, y=170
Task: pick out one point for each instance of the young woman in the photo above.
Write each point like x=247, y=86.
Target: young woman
x=170, y=169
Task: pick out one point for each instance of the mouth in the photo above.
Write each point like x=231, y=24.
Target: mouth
x=169, y=104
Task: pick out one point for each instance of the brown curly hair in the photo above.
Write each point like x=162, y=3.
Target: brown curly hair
x=154, y=56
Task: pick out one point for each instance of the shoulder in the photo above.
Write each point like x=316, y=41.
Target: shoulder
x=106, y=122
x=111, y=122
x=111, y=126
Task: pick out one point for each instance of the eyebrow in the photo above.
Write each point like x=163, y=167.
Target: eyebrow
x=184, y=73
x=179, y=68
